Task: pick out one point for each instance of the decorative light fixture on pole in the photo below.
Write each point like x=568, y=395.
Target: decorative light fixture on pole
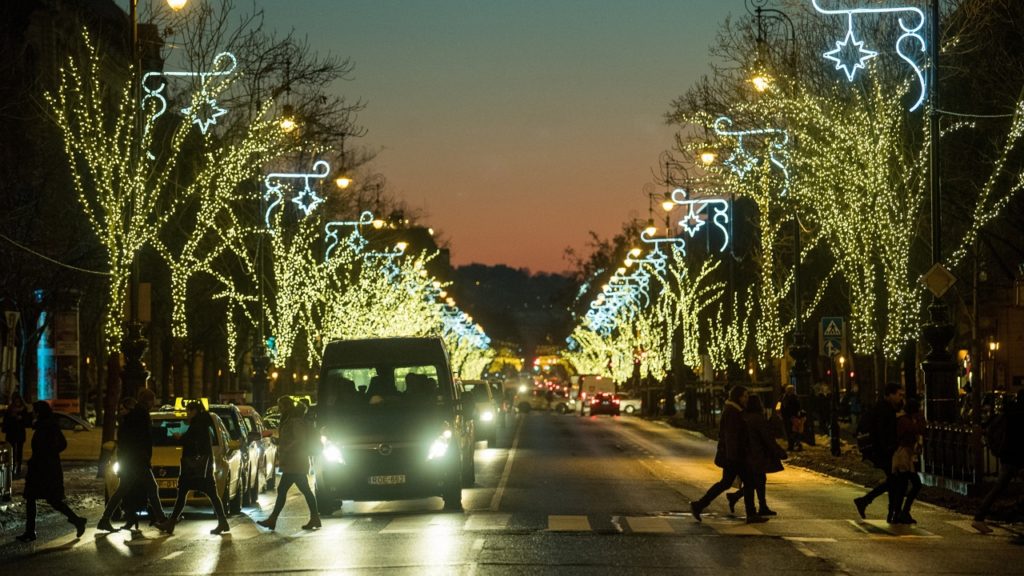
x=134, y=344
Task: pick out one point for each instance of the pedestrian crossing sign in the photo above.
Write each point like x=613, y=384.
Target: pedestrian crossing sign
x=832, y=336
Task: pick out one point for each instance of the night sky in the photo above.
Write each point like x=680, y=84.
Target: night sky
x=515, y=127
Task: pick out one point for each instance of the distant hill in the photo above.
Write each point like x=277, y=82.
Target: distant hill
x=514, y=305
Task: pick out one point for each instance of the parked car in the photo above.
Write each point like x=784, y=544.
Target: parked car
x=629, y=403
x=166, y=429
x=486, y=414
x=394, y=424
x=72, y=422
x=541, y=399
x=267, y=464
x=240, y=439
x=604, y=403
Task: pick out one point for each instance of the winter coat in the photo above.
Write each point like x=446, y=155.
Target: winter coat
x=764, y=455
x=910, y=430
x=732, y=438
x=1014, y=453
x=293, y=445
x=45, y=477
x=134, y=440
x=884, y=435
x=15, y=424
x=196, y=443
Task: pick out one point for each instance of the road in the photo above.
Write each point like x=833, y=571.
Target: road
x=560, y=495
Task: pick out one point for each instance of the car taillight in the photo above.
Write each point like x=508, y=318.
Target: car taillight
x=616, y=401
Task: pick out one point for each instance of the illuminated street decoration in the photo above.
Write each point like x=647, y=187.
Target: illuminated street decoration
x=850, y=54
x=741, y=161
x=696, y=214
x=389, y=267
x=204, y=109
x=355, y=239
x=655, y=257
x=307, y=199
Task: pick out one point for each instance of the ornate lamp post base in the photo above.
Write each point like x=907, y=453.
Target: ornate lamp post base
x=939, y=367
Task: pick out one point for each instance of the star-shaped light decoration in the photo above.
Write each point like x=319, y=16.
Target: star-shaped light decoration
x=850, y=54
x=692, y=223
x=356, y=241
x=740, y=161
x=205, y=111
x=307, y=200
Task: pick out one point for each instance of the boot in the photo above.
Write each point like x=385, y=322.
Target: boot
x=79, y=523
x=764, y=510
x=105, y=525
x=733, y=498
x=313, y=524
x=269, y=523
x=221, y=528
x=167, y=526
x=26, y=537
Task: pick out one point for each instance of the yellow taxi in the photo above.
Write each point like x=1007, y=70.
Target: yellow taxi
x=166, y=430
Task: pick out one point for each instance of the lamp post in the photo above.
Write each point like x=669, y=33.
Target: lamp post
x=133, y=345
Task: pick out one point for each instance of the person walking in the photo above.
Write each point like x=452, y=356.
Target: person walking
x=731, y=457
x=1011, y=459
x=134, y=458
x=764, y=455
x=197, y=468
x=44, y=479
x=884, y=444
x=17, y=419
x=293, y=454
x=910, y=430
x=792, y=418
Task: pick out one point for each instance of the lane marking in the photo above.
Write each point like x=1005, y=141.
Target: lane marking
x=500, y=490
x=649, y=525
x=477, y=522
x=173, y=555
x=805, y=551
x=808, y=539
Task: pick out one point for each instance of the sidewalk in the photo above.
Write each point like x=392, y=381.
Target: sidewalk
x=849, y=466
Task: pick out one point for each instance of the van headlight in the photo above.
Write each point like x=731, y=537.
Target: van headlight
x=439, y=447
x=487, y=416
x=116, y=468
x=331, y=452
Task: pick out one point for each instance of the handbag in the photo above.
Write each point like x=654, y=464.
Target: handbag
x=195, y=466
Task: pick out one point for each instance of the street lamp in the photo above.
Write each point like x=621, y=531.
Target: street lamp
x=133, y=344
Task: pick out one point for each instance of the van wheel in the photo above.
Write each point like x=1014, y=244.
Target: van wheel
x=630, y=409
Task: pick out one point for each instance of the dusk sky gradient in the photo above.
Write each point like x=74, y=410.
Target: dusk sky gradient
x=515, y=127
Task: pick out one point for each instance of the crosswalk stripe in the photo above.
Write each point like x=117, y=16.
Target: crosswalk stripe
x=568, y=524
x=487, y=522
x=649, y=525
x=737, y=530
x=443, y=522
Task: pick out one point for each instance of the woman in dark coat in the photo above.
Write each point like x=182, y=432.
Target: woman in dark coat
x=197, y=468
x=293, y=453
x=764, y=455
x=45, y=477
x=16, y=419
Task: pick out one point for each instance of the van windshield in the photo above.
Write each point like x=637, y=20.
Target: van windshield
x=374, y=388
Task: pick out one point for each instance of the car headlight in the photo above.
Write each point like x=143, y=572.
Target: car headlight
x=331, y=452
x=116, y=468
x=487, y=416
x=439, y=447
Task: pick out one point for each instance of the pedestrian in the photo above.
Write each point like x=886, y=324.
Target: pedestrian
x=884, y=443
x=293, y=454
x=1011, y=459
x=731, y=457
x=792, y=417
x=197, y=468
x=910, y=429
x=764, y=455
x=44, y=479
x=17, y=419
x=137, y=486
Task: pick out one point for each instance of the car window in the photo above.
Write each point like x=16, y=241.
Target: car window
x=234, y=427
x=363, y=389
x=478, y=392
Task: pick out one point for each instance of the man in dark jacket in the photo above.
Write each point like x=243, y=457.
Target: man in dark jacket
x=134, y=457
x=45, y=477
x=884, y=441
x=1011, y=461
x=731, y=457
x=790, y=412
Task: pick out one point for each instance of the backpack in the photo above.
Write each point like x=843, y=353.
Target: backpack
x=866, y=434
x=996, y=435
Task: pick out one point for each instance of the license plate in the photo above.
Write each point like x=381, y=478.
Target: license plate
x=167, y=482
x=388, y=480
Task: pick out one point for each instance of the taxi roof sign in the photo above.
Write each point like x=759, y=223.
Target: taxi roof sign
x=180, y=403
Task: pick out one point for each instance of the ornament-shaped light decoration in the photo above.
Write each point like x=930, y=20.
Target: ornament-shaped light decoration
x=204, y=109
x=696, y=214
x=851, y=55
x=355, y=239
x=306, y=200
x=389, y=268
x=742, y=161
